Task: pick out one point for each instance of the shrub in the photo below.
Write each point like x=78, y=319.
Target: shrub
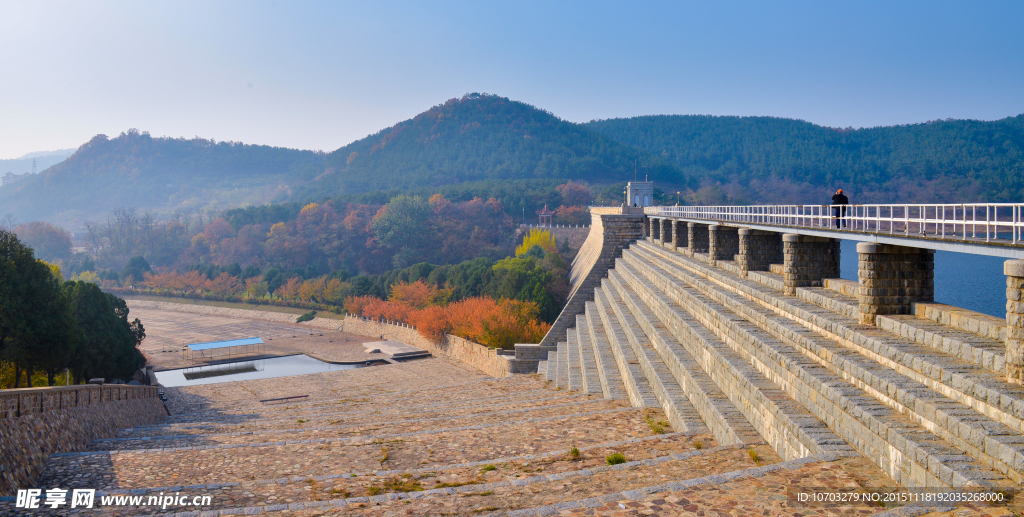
x=615, y=458
x=306, y=317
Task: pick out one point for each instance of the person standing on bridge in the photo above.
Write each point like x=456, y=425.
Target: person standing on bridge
x=839, y=202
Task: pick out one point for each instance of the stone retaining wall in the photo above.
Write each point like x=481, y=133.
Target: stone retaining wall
x=255, y=314
x=38, y=422
x=487, y=360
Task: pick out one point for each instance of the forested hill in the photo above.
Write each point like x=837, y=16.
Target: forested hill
x=482, y=137
x=163, y=174
x=774, y=160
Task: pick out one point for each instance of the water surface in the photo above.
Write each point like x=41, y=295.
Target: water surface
x=248, y=370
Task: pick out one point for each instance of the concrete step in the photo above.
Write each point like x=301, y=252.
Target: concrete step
x=542, y=367
x=588, y=366
x=784, y=423
x=572, y=356
x=836, y=302
x=841, y=286
x=562, y=378
x=681, y=414
x=982, y=389
x=968, y=321
x=768, y=279
x=637, y=388
x=878, y=404
x=607, y=370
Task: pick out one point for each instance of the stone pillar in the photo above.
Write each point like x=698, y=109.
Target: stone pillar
x=655, y=229
x=680, y=235
x=893, y=277
x=1014, y=271
x=723, y=242
x=666, y=232
x=697, y=238
x=647, y=227
x=807, y=260
x=758, y=250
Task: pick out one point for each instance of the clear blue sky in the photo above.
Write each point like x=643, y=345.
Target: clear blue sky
x=317, y=75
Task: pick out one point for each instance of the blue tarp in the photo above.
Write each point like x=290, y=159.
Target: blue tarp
x=225, y=344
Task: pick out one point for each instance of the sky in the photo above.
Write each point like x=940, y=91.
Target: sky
x=318, y=75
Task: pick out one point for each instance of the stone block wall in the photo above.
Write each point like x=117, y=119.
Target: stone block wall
x=655, y=229
x=38, y=422
x=723, y=242
x=758, y=250
x=485, y=359
x=892, y=278
x=1014, y=271
x=666, y=232
x=610, y=233
x=697, y=237
x=807, y=260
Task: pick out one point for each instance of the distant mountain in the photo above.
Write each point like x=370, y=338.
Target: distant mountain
x=44, y=159
x=482, y=137
x=775, y=160
x=161, y=174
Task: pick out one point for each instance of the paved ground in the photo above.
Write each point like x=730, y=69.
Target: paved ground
x=168, y=331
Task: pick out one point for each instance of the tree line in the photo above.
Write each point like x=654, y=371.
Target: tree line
x=48, y=325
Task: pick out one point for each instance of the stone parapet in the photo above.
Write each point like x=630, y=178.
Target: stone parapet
x=73, y=417
x=892, y=278
x=723, y=242
x=609, y=235
x=758, y=250
x=808, y=260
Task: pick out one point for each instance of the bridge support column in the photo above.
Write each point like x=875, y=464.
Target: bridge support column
x=655, y=229
x=1014, y=271
x=723, y=242
x=647, y=227
x=666, y=232
x=892, y=278
x=807, y=260
x=758, y=250
x=697, y=238
x=680, y=235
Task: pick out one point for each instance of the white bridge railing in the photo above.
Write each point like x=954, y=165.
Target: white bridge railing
x=982, y=222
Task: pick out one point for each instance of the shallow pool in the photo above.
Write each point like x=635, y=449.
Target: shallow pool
x=248, y=370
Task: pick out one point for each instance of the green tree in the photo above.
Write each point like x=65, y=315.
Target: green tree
x=401, y=226
x=108, y=341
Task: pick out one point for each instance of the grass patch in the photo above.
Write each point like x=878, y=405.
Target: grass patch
x=405, y=483
x=478, y=493
x=574, y=453
x=615, y=458
x=301, y=421
x=488, y=468
x=754, y=457
x=698, y=445
x=456, y=484
x=306, y=317
x=657, y=426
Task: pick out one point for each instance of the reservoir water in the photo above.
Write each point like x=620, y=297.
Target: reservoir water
x=973, y=282
x=248, y=370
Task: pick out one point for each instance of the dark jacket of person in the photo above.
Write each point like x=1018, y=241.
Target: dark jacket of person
x=840, y=199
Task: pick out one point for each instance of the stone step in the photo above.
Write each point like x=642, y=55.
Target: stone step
x=841, y=286
x=307, y=428
x=980, y=388
x=607, y=370
x=720, y=415
x=768, y=279
x=507, y=487
x=552, y=366
x=588, y=366
x=982, y=351
x=968, y=321
x=777, y=269
x=681, y=414
x=637, y=388
x=562, y=379
x=836, y=302
x=542, y=367
x=780, y=420
x=323, y=456
x=912, y=412
x=572, y=356
x=335, y=410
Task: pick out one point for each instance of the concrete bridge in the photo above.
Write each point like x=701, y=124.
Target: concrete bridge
x=734, y=321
